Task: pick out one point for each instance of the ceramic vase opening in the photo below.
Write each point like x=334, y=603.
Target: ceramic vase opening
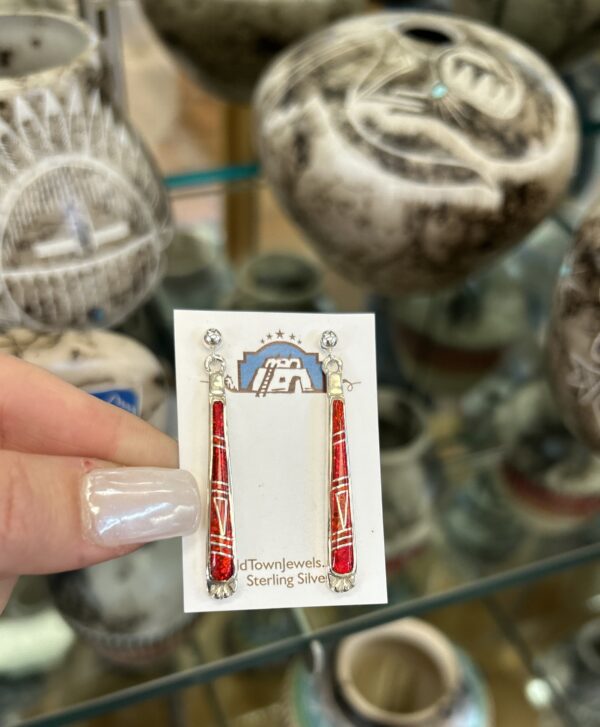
x=34, y=43
x=403, y=675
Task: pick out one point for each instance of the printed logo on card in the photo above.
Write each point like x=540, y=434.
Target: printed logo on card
x=280, y=366
x=127, y=399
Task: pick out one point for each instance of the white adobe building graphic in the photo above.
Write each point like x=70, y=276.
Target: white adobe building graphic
x=281, y=375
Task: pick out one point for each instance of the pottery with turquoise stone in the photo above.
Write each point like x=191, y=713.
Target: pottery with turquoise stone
x=413, y=148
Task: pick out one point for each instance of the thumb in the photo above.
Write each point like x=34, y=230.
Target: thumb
x=63, y=513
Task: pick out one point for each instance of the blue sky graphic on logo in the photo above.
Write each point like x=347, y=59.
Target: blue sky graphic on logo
x=253, y=361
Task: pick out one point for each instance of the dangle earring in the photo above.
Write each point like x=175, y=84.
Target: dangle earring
x=342, y=555
x=221, y=575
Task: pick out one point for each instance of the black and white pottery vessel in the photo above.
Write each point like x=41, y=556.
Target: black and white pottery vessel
x=403, y=674
x=550, y=479
x=84, y=220
x=230, y=42
x=129, y=609
x=574, y=334
x=110, y=366
x=448, y=341
x=413, y=148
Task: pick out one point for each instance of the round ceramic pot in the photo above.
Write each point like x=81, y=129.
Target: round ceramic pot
x=551, y=480
x=279, y=282
x=574, y=334
x=405, y=444
x=112, y=367
x=403, y=674
x=413, y=148
x=570, y=28
x=447, y=342
x=230, y=42
x=130, y=609
x=84, y=219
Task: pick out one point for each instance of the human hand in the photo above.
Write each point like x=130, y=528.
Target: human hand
x=79, y=482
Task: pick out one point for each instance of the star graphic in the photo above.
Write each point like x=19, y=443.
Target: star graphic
x=262, y=340
x=292, y=337
x=269, y=336
x=279, y=333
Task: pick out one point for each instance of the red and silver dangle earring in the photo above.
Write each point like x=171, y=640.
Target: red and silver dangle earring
x=342, y=553
x=221, y=570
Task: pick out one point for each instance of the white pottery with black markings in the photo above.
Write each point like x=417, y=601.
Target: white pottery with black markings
x=84, y=220
x=413, y=148
x=229, y=43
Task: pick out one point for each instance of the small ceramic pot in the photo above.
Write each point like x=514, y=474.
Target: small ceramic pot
x=84, y=219
x=574, y=335
x=279, y=282
x=447, y=342
x=413, y=148
x=112, y=367
x=403, y=674
x=570, y=29
x=552, y=481
x=405, y=444
x=230, y=42
x=130, y=609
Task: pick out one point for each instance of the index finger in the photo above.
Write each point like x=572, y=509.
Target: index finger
x=40, y=413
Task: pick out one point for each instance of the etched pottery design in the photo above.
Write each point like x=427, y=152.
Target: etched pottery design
x=574, y=334
x=230, y=42
x=84, y=220
x=413, y=147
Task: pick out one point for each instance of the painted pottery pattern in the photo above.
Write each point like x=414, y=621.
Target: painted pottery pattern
x=574, y=335
x=230, y=42
x=412, y=148
x=84, y=220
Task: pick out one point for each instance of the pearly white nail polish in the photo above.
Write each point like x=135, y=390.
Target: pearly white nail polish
x=138, y=504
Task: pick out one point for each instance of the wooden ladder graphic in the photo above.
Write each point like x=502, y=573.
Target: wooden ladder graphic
x=266, y=382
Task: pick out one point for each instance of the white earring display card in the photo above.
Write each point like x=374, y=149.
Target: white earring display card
x=278, y=430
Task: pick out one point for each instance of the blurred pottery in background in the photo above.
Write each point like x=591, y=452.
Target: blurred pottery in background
x=413, y=148
x=480, y=525
x=406, y=453
x=35, y=640
x=573, y=669
x=447, y=342
x=55, y=6
x=230, y=42
x=574, y=335
x=84, y=220
x=130, y=609
x=569, y=28
x=403, y=674
x=112, y=367
x=551, y=480
x=279, y=282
